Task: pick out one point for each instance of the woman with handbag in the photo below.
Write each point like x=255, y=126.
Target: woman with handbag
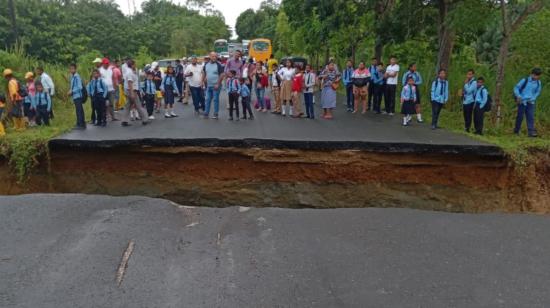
x=330, y=79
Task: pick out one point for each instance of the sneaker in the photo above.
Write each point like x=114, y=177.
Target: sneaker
x=383, y=112
x=214, y=117
x=151, y=117
x=173, y=114
x=533, y=135
x=167, y=115
x=391, y=114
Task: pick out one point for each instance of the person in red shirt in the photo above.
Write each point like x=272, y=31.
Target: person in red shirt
x=297, y=93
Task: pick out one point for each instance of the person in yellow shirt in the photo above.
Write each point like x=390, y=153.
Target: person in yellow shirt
x=15, y=99
x=272, y=61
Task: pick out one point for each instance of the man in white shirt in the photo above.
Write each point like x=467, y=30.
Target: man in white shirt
x=392, y=77
x=309, y=81
x=193, y=72
x=107, y=76
x=131, y=89
x=47, y=84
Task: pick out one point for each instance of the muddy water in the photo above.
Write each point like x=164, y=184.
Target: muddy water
x=294, y=178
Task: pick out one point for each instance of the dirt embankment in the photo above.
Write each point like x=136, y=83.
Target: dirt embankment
x=297, y=178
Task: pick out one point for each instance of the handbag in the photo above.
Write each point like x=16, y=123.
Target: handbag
x=335, y=85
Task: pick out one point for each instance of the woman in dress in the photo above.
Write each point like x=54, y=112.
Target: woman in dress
x=330, y=78
x=287, y=75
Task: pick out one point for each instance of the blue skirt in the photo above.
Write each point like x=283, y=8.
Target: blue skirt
x=328, y=98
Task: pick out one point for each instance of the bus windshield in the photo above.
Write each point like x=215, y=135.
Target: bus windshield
x=260, y=46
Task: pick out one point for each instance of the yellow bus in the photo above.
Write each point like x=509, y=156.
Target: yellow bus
x=260, y=49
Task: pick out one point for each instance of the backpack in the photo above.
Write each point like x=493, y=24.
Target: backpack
x=84, y=92
x=22, y=90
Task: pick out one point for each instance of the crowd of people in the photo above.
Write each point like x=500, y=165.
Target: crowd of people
x=124, y=91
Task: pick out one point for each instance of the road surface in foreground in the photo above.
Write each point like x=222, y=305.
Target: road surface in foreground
x=74, y=251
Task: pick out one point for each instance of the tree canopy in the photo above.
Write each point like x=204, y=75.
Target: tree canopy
x=62, y=30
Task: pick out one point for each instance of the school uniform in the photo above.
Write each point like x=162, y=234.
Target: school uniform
x=408, y=96
x=417, y=82
x=78, y=100
x=480, y=100
x=169, y=86
x=377, y=81
x=42, y=103
x=439, y=96
x=391, y=88
x=149, y=90
x=233, y=89
x=309, y=80
x=98, y=93
x=372, y=69
x=348, y=83
x=527, y=91
x=245, y=101
x=468, y=99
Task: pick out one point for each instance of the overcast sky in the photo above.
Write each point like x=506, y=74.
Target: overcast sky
x=230, y=8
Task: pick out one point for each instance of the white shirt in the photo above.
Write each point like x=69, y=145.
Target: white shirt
x=195, y=81
x=133, y=77
x=309, y=80
x=107, y=77
x=393, y=69
x=274, y=78
x=47, y=83
x=287, y=74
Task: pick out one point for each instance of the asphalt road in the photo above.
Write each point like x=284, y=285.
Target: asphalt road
x=346, y=130
x=64, y=251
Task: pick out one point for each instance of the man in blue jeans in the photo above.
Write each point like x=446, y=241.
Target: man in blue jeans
x=526, y=93
x=212, y=75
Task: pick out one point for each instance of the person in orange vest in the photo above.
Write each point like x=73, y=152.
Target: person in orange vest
x=15, y=97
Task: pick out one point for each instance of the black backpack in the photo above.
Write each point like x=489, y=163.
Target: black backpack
x=22, y=90
x=489, y=105
x=84, y=92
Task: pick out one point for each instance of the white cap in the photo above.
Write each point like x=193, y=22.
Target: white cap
x=154, y=64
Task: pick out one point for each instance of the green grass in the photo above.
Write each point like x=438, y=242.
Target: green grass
x=23, y=149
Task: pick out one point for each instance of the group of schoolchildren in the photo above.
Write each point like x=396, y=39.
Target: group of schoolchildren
x=31, y=102
x=476, y=100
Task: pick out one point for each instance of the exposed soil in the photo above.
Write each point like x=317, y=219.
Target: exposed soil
x=296, y=178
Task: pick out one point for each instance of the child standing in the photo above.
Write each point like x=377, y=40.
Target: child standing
x=377, y=81
x=526, y=93
x=98, y=93
x=149, y=90
x=480, y=100
x=168, y=87
x=468, y=98
x=297, y=89
x=233, y=88
x=408, y=101
x=413, y=72
x=310, y=80
x=439, y=95
x=42, y=103
x=245, y=98
x=28, y=112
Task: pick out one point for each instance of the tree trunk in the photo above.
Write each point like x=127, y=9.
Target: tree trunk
x=13, y=19
x=501, y=61
x=446, y=37
x=378, y=49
